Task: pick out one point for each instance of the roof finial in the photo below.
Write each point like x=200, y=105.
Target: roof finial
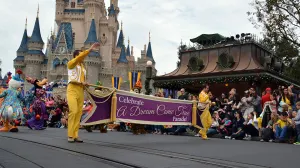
x=38, y=11
x=26, y=23
x=128, y=41
x=121, y=25
x=112, y=1
x=149, y=36
x=94, y=12
x=123, y=40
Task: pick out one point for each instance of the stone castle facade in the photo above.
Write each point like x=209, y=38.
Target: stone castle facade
x=80, y=24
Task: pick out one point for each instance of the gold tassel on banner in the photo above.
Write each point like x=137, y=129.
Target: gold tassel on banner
x=114, y=107
x=194, y=113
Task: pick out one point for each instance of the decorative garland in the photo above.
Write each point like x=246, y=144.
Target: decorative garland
x=193, y=82
x=105, y=92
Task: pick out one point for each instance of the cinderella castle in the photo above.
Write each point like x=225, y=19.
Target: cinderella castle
x=80, y=23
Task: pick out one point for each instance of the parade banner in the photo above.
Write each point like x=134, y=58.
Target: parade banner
x=142, y=109
x=103, y=107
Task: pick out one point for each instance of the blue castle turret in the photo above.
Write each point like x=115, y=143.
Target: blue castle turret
x=92, y=38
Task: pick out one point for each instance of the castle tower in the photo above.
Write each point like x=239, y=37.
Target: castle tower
x=119, y=44
x=34, y=56
x=59, y=13
x=122, y=66
x=22, y=50
x=130, y=57
x=149, y=55
x=77, y=30
x=93, y=60
x=61, y=51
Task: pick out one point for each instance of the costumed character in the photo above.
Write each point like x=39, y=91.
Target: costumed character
x=29, y=97
x=138, y=128
x=11, y=109
x=37, y=84
x=75, y=91
x=203, y=111
x=39, y=109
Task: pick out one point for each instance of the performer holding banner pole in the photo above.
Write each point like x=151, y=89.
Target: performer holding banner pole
x=203, y=111
x=75, y=92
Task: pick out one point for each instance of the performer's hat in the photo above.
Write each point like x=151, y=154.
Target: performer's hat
x=17, y=76
x=8, y=77
x=138, y=85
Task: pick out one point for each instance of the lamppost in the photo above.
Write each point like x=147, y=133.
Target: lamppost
x=148, y=77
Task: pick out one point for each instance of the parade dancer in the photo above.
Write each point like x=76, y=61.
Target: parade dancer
x=29, y=98
x=203, y=111
x=75, y=92
x=39, y=108
x=37, y=84
x=11, y=109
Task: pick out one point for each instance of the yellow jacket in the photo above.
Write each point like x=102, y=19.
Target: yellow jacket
x=76, y=70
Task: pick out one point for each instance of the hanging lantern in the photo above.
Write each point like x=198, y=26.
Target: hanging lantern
x=226, y=84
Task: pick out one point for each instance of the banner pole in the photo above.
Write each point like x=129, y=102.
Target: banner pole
x=97, y=86
x=114, y=107
x=194, y=113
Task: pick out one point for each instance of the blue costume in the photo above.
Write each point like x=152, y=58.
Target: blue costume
x=11, y=108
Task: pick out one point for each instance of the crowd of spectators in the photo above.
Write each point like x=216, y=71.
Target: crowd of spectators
x=273, y=116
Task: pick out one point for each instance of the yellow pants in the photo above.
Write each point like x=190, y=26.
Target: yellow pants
x=75, y=97
x=206, y=121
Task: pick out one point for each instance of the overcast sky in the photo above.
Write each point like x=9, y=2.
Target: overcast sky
x=168, y=20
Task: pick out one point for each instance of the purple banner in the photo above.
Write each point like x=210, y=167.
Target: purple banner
x=101, y=112
x=142, y=109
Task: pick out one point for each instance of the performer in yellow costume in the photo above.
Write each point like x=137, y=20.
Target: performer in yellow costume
x=203, y=107
x=75, y=92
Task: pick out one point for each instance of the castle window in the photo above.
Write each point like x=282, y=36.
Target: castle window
x=72, y=4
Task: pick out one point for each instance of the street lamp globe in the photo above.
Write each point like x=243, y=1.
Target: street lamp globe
x=149, y=63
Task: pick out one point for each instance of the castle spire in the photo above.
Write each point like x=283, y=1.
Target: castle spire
x=36, y=33
x=92, y=36
x=38, y=11
x=121, y=37
x=128, y=48
x=111, y=10
x=122, y=58
x=149, y=51
x=23, y=46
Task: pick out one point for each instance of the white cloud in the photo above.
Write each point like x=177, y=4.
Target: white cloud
x=168, y=20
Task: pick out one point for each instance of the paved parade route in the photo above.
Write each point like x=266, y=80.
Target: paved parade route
x=49, y=148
